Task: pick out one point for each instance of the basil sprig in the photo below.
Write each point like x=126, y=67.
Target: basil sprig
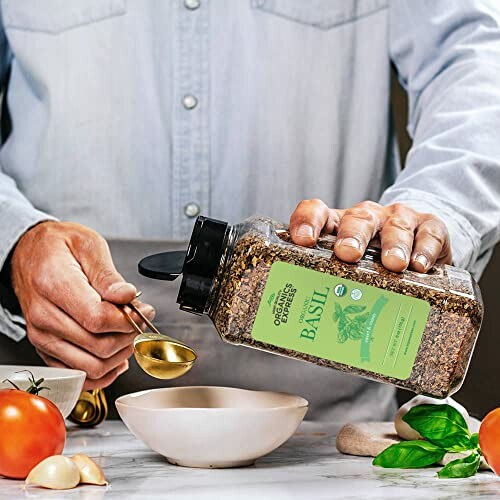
x=410, y=455
x=462, y=467
x=444, y=430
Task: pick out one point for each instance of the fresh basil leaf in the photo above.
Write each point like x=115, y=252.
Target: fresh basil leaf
x=462, y=467
x=409, y=455
x=442, y=425
x=474, y=440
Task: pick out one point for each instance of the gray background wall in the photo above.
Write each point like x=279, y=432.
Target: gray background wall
x=479, y=393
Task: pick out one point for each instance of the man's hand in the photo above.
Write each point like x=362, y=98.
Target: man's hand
x=408, y=238
x=66, y=284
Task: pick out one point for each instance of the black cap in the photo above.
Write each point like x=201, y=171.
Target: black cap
x=198, y=264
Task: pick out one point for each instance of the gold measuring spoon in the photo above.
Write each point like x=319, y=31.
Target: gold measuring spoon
x=158, y=354
x=84, y=411
x=91, y=408
x=101, y=405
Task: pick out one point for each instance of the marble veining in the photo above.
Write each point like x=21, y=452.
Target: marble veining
x=307, y=466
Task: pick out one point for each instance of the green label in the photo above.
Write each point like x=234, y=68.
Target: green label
x=340, y=320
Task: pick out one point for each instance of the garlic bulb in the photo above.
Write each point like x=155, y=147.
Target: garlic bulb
x=405, y=431
x=56, y=472
x=90, y=472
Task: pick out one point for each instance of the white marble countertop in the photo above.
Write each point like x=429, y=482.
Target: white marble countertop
x=308, y=466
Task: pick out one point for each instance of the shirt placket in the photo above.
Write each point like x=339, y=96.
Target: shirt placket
x=190, y=140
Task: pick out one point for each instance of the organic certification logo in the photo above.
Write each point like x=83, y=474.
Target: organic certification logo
x=340, y=290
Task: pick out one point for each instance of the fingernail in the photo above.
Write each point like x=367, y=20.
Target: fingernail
x=120, y=287
x=350, y=242
x=305, y=231
x=423, y=260
x=396, y=252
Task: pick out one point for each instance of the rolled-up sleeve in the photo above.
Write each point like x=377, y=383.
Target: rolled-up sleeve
x=447, y=54
x=17, y=215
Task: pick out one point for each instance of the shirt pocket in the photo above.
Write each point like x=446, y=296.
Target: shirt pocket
x=322, y=14
x=56, y=16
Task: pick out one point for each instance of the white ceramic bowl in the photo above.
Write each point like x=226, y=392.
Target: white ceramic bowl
x=211, y=426
x=65, y=385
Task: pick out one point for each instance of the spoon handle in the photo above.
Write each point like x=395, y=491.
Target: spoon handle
x=134, y=325
x=143, y=317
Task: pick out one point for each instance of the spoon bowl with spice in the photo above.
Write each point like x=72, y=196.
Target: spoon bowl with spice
x=159, y=355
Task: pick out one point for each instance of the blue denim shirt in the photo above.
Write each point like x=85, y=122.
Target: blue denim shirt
x=130, y=116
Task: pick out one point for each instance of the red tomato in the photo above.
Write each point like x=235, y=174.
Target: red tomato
x=31, y=429
x=489, y=439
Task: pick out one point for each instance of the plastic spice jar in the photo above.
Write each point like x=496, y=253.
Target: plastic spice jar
x=416, y=331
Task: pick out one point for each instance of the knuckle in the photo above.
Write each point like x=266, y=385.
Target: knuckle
x=88, y=240
x=42, y=341
x=437, y=236
x=400, y=223
x=313, y=202
x=95, y=370
x=94, y=321
x=427, y=217
x=105, y=347
x=361, y=213
x=369, y=205
x=104, y=274
x=436, y=230
x=44, y=278
x=317, y=201
x=37, y=315
x=399, y=207
x=35, y=337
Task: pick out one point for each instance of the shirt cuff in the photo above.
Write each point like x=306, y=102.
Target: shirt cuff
x=15, y=219
x=465, y=240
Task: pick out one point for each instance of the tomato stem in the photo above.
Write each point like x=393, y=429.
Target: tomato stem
x=10, y=382
x=35, y=387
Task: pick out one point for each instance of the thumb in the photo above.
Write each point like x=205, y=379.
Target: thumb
x=115, y=289
x=309, y=219
x=95, y=259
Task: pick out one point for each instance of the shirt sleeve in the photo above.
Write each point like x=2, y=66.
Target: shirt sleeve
x=17, y=215
x=447, y=55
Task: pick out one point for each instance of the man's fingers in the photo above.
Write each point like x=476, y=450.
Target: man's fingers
x=108, y=379
x=357, y=227
x=92, y=252
x=71, y=355
x=48, y=317
x=396, y=237
x=71, y=292
x=89, y=384
x=309, y=219
x=432, y=244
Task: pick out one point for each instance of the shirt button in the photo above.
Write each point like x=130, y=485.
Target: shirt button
x=189, y=101
x=192, y=210
x=192, y=4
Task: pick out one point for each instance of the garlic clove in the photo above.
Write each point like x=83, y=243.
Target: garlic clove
x=404, y=431
x=90, y=472
x=56, y=473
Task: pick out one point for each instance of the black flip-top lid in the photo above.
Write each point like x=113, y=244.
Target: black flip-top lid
x=163, y=266
x=197, y=265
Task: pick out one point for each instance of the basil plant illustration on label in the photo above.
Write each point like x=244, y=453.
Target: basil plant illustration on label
x=340, y=320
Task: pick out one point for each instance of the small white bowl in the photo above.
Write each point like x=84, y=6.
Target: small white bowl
x=65, y=385
x=211, y=427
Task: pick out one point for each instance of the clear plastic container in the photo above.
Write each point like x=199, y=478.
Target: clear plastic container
x=415, y=331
